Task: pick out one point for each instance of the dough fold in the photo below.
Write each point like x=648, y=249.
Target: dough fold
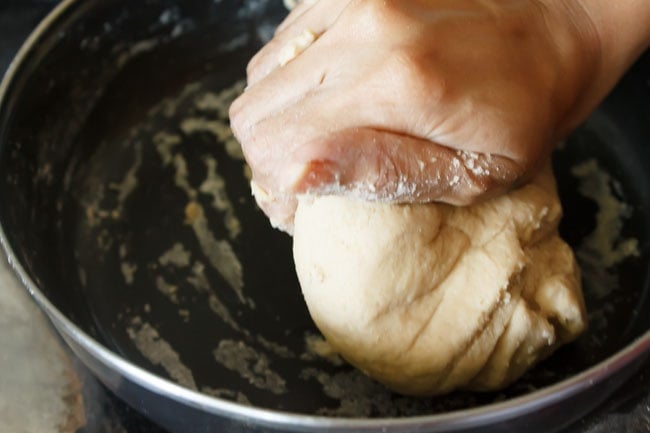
x=430, y=298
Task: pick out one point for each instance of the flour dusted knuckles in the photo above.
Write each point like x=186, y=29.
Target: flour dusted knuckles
x=428, y=298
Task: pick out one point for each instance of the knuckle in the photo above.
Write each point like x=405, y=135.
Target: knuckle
x=263, y=151
x=255, y=153
x=264, y=59
x=253, y=63
x=252, y=142
x=416, y=78
x=374, y=17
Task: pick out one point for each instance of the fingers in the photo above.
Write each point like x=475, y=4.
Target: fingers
x=316, y=18
x=363, y=116
x=374, y=165
x=383, y=166
x=281, y=91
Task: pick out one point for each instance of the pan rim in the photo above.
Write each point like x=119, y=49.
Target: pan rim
x=448, y=421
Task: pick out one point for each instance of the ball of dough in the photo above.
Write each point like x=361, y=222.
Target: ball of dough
x=429, y=298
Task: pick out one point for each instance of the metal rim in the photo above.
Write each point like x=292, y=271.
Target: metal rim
x=491, y=413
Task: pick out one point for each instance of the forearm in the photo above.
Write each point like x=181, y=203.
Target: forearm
x=623, y=31
x=604, y=38
x=623, y=28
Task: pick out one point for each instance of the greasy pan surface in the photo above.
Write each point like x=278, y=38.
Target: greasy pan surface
x=126, y=201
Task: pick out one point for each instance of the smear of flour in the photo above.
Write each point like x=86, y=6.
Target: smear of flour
x=135, y=49
x=215, y=186
x=130, y=181
x=125, y=52
x=169, y=107
x=217, y=123
x=128, y=270
x=296, y=46
x=251, y=365
x=198, y=279
x=316, y=347
x=169, y=290
x=177, y=256
x=181, y=176
x=97, y=212
x=229, y=394
x=165, y=144
x=159, y=352
x=360, y=396
x=604, y=248
x=598, y=185
x=275, y=348
x=220, y=309
x=200, y=282
x=217, y=127
x=220, y=102
x=219, y=252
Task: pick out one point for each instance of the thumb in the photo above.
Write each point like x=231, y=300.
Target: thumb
x=378, y=165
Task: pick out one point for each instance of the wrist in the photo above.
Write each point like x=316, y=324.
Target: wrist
x=609, y=37
x=623, y=28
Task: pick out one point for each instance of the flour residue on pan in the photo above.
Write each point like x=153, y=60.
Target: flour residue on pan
x=218, y=251
x=251, y=365
x=215, y=186
x=603, y=248
x=128, y=268
x=180, y=259
x=170, y=291
x=159, y=352
x=165, y=143
x=274, y=348
x=203, y=115
x=316, y=347
x=169, y=145
x=169, y=26
x=219, y=102
x=360, y=396
x=228, y=394
x=128, y=271
x=177, y=256
x=214, y=118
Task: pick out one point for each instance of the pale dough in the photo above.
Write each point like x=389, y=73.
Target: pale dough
x=430, y=298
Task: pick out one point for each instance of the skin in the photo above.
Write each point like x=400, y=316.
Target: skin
x=426, y=100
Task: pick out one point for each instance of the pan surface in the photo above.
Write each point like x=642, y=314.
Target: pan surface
x=126, y=210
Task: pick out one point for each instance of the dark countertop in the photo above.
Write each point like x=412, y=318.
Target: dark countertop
x=55, y=385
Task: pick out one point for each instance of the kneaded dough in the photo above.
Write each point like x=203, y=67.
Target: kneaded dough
x=429, y=298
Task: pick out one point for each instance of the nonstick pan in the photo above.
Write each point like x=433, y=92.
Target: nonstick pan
x=126, y=212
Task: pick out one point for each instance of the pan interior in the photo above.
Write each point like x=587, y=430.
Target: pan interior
x=127, y=200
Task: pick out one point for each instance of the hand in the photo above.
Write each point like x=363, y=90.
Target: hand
x=414, y=100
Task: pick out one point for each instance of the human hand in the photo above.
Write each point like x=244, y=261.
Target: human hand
x=413, y=100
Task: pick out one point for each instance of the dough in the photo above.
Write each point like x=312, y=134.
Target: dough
x=430, y=298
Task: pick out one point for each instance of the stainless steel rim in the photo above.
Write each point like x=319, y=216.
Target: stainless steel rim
x=493, y=413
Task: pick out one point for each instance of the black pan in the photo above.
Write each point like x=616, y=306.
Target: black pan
x=126, y=211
